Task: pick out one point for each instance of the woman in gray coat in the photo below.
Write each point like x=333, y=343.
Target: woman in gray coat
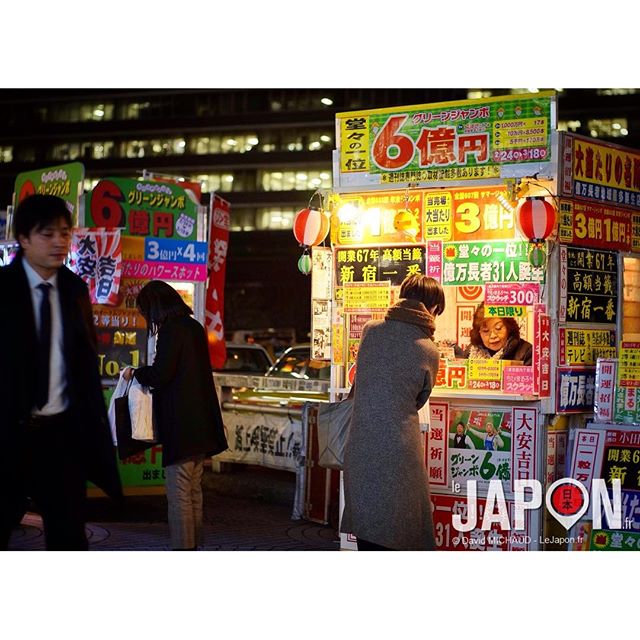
x=387, y=504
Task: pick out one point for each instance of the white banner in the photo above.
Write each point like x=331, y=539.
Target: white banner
x=263, y=439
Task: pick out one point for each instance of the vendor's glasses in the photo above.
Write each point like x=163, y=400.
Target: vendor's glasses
x=495, y=329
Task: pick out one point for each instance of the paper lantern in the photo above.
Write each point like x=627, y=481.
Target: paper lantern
x=310, y=227
x=304, y=264
x=537, y=255
x=536, y=218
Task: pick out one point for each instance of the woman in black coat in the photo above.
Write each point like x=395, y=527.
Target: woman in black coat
x=185, y=405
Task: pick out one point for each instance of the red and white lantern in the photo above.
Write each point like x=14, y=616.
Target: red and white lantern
x=536, y=218
x=310, y=227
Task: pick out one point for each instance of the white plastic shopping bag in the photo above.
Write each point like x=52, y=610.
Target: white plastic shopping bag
x=140, y=409
x=118, y=392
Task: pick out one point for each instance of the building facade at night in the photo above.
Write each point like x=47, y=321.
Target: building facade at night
x=265, y=150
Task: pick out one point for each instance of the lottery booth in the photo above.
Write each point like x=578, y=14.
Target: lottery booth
x=540, y=226
x=126, y=233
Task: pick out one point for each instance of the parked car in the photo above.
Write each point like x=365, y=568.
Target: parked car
x=296, y=362
x=274, y=340
x=293, y=379
x=246, y=358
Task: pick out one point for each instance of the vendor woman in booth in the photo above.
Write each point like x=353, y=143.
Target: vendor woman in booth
x=497, y=338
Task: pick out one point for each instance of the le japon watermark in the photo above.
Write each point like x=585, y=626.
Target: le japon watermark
x=566, y=499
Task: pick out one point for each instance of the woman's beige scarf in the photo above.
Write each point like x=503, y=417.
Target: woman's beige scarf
x=412, y=312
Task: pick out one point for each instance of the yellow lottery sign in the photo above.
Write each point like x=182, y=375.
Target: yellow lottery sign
x=496, y=311
x=484, y=369
x=366, y=295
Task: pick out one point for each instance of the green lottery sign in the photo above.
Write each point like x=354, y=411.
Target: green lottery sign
x=469, y=139
x=64, y=181
x=479, y=263
x=142, y=208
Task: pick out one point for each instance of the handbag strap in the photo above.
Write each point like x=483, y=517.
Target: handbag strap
x=129, y=383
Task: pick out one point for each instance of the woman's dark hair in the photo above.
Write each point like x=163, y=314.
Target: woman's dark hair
x=158, y=302
x=513, y=330
x=423, y=289
x=36, y=212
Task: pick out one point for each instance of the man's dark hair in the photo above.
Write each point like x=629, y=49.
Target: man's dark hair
x=158, y=302
x=37, y=211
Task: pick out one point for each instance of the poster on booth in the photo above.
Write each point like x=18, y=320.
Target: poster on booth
x=377, y=264
x=492, y=261
x=484, y=453
x=585, y=346
x=588, y=285
x=493, y=538
x=63, y=180
x=575, y=389
x=597, y=225
x=627, y=397
x=482, y=444
x=142, y=208
x=465, y=140
x=121, y=332
x=321, y=307
x=422, y=215
x=378, y=218
x=611, y=452
x=362, y=302
x=143, y=469
x=158, y=222
x=600, y=172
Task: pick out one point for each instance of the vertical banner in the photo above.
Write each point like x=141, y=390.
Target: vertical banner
x=542, y=355
x=437, y=444
x=214, y=303
x=562, y=311
x=524, y=443
x=96, y=256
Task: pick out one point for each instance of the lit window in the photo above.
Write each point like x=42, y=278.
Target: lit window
x=569, y=125
x=275, y=219
x=475, y=94
x=102, y=149
x=6, y=154
x=609, y=128
x=615, y=92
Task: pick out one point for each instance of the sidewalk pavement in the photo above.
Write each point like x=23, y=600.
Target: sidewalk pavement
x=249, y=510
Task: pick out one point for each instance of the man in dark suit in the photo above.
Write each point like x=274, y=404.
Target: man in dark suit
x=54, y=432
